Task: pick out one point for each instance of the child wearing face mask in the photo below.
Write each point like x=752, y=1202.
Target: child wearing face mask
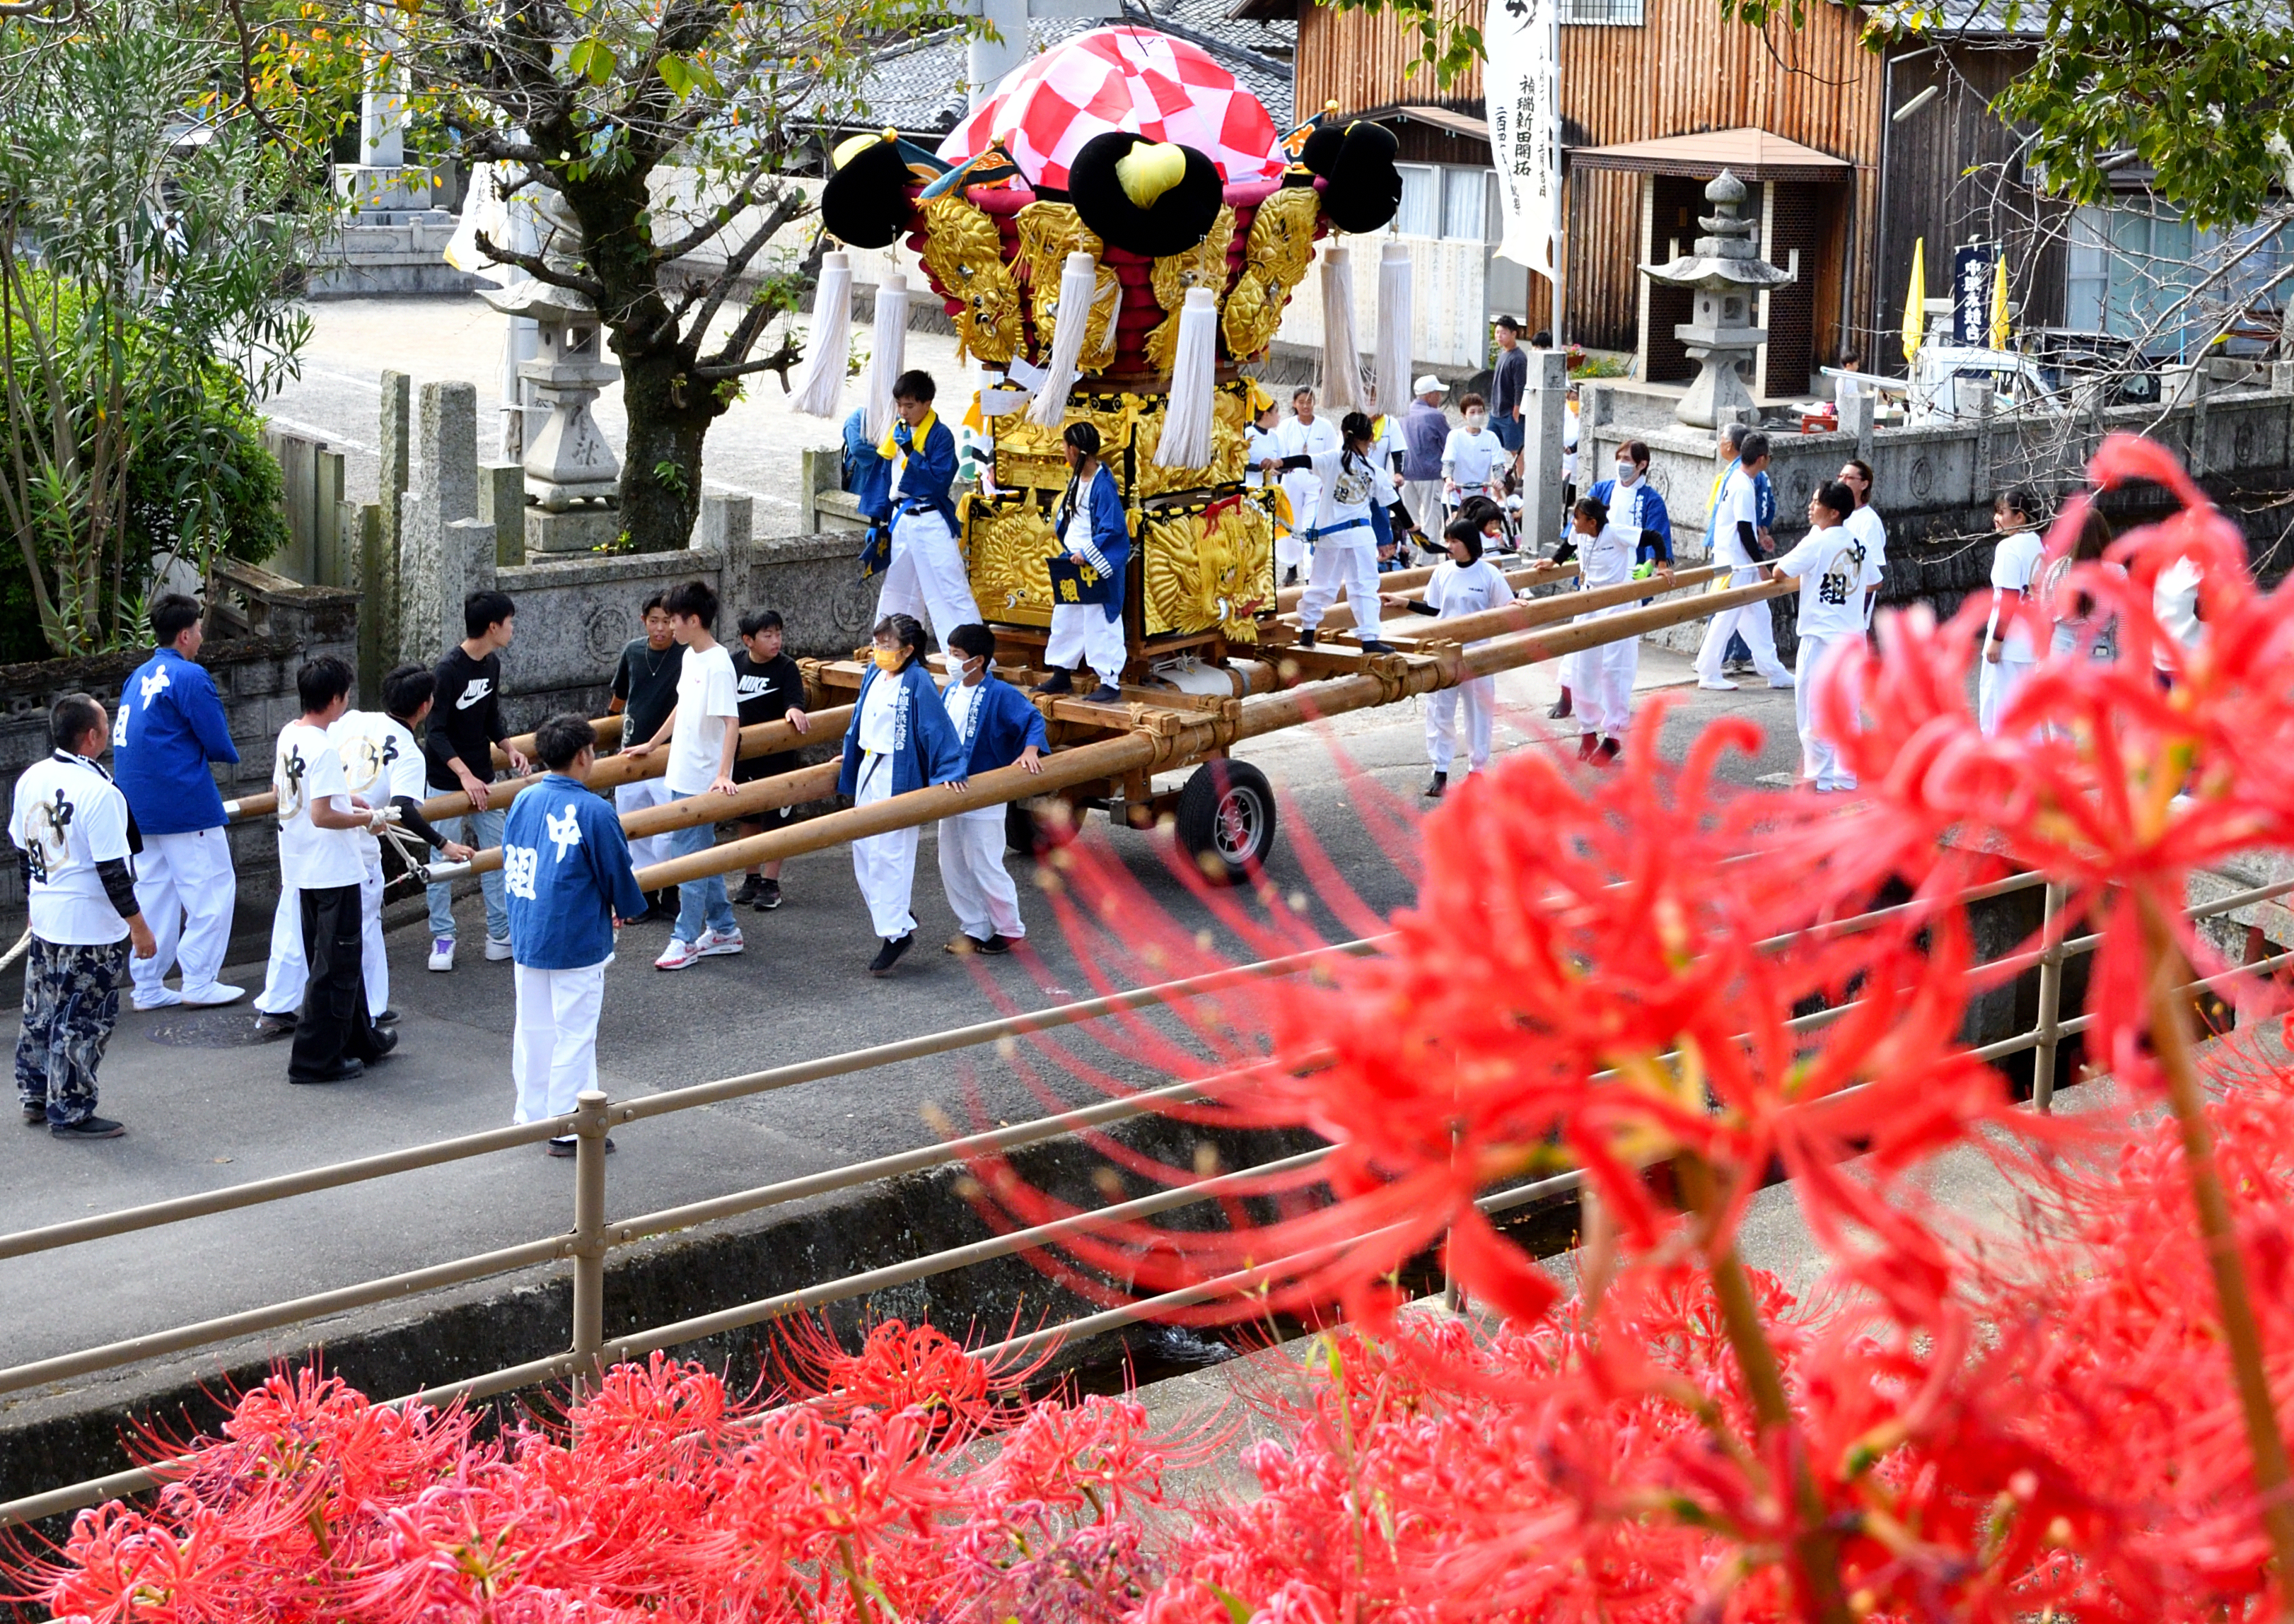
x=1464, y=584
x=1601, y=677
x=996, y=726
x=1472, y=457
x=900, y=740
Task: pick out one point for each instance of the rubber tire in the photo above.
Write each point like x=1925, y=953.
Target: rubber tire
x=1199, y=823
x=1028, y=835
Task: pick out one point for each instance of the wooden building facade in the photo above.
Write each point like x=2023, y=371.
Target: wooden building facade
x=1643, y=71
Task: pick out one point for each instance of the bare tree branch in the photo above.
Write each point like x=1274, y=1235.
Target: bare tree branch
x=540, y=269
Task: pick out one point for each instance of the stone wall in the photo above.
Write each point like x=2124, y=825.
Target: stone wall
x=261, y=628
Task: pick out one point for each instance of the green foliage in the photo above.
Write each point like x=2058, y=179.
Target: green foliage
x=148, y=233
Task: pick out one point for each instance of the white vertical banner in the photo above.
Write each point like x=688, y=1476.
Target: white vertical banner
x=1521, y=78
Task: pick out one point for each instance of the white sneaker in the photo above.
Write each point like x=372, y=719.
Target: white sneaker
x=215, y=993
x=715, y=943
x=166, y=998
x=1785, y=686
x=1719, y=685
x=442, y=953
x=677, y=955
x=497, y=948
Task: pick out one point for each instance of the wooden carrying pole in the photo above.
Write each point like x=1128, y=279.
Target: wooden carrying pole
x=1340, y=616
x=1541, y=572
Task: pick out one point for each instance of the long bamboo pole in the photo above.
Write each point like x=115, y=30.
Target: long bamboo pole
x=1340, y=616
x=1523, y=614
x=1540, y=571
x=1259, y=714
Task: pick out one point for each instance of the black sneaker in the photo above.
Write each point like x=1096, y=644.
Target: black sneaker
x=1372, y=646
x=1437, y=786
x=1307, y=637
x=1291, y=576
x=1058, y=682
x=747, y=893
x=388, y=1018
x=891, y=953
x=571, y=1145
x=1105, y=694
x=36, y=1116
x=384, y=1042
x=87, y=1128
x=768, y=896
x=993, y=944
x=267, y=1025
x=343, y=1071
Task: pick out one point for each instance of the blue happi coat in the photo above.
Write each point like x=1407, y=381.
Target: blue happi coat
x=924, y=476
x=170, y=726
x=565, y=874
x=1642, y=510
x=1002, y=725
x=925, y=749
x=1108, y=549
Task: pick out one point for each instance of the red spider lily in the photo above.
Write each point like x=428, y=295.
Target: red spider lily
x=2099, y=776
x=1589, y=980
x=900, y=1367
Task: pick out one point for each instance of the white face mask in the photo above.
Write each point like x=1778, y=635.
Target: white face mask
x=1627, y=473
x=1474, y=419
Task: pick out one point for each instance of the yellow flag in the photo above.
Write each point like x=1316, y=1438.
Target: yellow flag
x=1916, y=301
x=1999, y=304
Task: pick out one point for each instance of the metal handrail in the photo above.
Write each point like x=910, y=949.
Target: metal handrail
x=593, y=1237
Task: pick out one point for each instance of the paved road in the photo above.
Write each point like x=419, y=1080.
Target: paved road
x=202, y=1116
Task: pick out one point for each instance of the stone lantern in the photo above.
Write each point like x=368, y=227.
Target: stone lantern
x=572, y=479
x=1726, y=274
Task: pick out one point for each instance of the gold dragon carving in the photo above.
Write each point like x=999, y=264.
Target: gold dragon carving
x=1048, y=234
x=1276, y=256
x=1230, y=417
x=1204, y=266
x=1028, y=456
x=1012, y=543
x=1206, y=570
x=965, y=255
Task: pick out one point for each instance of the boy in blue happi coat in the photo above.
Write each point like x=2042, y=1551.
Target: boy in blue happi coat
x=925, y=573
x=1092, y=527
x=566, y=878
x=997, y=727
x=900, y=740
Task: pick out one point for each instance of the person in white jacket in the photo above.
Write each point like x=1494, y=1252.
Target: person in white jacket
x=1601, y=677
x=2008, y=651
x=1464, y=584
x=1834, y=569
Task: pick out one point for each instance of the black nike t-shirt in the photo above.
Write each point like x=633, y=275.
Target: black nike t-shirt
x=765, y=694
x=466, y=719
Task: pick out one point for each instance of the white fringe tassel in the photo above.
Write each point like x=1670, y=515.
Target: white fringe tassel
x=1390, y=360
x=887, y=352
x=818, y=389
x=1187, y=438
x=1078, y=280
x=1342, y=386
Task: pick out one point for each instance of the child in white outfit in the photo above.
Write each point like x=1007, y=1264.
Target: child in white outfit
x=2008, y=654
x=1834, y=569
x=1465, y=583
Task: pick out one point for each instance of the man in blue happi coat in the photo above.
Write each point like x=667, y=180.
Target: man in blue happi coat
x=925, y=574
x=170, y=726
x=997, y=727
x=566, y=878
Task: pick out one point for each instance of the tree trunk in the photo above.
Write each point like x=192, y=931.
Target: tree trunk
x=660, y=467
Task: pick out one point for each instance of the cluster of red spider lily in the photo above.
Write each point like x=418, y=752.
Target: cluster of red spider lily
x=659, y=1499
x=1637, y=982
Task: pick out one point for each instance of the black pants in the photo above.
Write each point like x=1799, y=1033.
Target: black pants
x=336, y=1024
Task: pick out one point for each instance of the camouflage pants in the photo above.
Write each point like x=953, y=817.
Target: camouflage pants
x=71, y=1002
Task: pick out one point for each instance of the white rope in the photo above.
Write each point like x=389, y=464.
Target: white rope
x=1342, y=385
x=1390, y=357
x=1078, y=280
x=888, y=351
x=23, y=943
x=1185, y=441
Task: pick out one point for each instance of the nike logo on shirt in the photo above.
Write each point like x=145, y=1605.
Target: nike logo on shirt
x=475, y=694
x=755, y=687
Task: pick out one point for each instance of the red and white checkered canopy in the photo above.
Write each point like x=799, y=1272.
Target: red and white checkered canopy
x=1120, y=78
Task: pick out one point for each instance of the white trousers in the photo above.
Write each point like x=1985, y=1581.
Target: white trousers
x=554, y=1055
x=1995, y=685
x=636, y=796
x=1350, y=561
x=1423, y=498
x=186, y=887
x=885, y=865
x=1819, y=761
x=1751, y=622
x=979, y=890
x=1479, y=695
x=1602, y=693
x=1083, y=635
x=1305, y=491
x=926, y=578
x=284, y=978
